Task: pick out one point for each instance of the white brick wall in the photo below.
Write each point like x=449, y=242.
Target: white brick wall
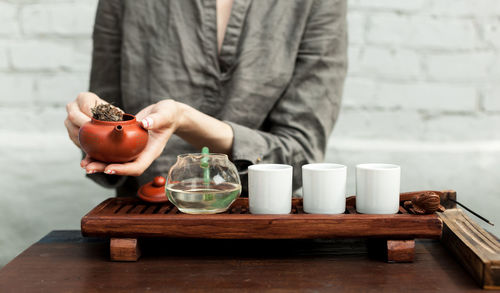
x=8, y=14
x=58, y=19
x=462, y=67
x=491, y=99
x=45, y=51
x=429, y=96
x=387, y=63
x=422, y=91
x=422, y=32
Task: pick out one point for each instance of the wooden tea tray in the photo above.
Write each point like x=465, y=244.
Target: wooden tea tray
x=125, y=220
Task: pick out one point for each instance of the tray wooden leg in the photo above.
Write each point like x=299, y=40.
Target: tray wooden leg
x=400, y=250
x=124, y=249
x=392, y=250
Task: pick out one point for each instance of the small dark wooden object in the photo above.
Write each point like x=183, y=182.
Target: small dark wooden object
x=392, y=250
x=475, y=248
x=124, y=249
x=427, y=202
x=400, y=250
x=131, y=218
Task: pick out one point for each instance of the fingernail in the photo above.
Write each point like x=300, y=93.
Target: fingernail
x=147, y=122
x=90, y=171
x=110, y=172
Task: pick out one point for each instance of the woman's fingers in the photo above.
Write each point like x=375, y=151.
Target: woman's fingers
x=79, y=113
x=86, y=161
x=144, y=112
x=72, y=132
x=149, y=122
x=86, y=100
x=75, y=115
x=152, y=151
x=95, y=167
x=158, y=120
x=136, y=167
x=161, y=115
x=91, y=166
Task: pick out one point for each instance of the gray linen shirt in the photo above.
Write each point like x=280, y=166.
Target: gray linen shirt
x=277, y=81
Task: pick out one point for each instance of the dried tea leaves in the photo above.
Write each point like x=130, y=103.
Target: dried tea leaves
x=107, y=112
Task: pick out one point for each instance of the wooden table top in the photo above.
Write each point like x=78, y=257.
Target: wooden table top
x=64, y=261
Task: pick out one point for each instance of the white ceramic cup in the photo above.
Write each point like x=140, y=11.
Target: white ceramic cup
x=377, y=188
x=270, y=188
x=323, y=188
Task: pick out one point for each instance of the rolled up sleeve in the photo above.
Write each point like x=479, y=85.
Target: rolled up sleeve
x=297, y=129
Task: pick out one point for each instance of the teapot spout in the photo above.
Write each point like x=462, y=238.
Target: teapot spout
x=118, y=129
x=117, y=134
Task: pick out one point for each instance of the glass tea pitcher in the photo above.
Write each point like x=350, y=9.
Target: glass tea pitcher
x=203, y=183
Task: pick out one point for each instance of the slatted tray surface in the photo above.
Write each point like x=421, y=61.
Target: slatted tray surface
x=132, y=218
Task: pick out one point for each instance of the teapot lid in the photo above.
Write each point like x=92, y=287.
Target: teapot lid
x=153, y=191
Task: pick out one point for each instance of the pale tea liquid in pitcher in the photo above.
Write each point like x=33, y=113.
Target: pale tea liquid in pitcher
x=197, y=197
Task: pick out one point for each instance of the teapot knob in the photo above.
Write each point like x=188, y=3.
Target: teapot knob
x=159, y=181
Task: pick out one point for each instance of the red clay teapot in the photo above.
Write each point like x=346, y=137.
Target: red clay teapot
x=113, y=141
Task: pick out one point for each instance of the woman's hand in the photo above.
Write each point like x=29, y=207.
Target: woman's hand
x=161, y=120
x=79, y=113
